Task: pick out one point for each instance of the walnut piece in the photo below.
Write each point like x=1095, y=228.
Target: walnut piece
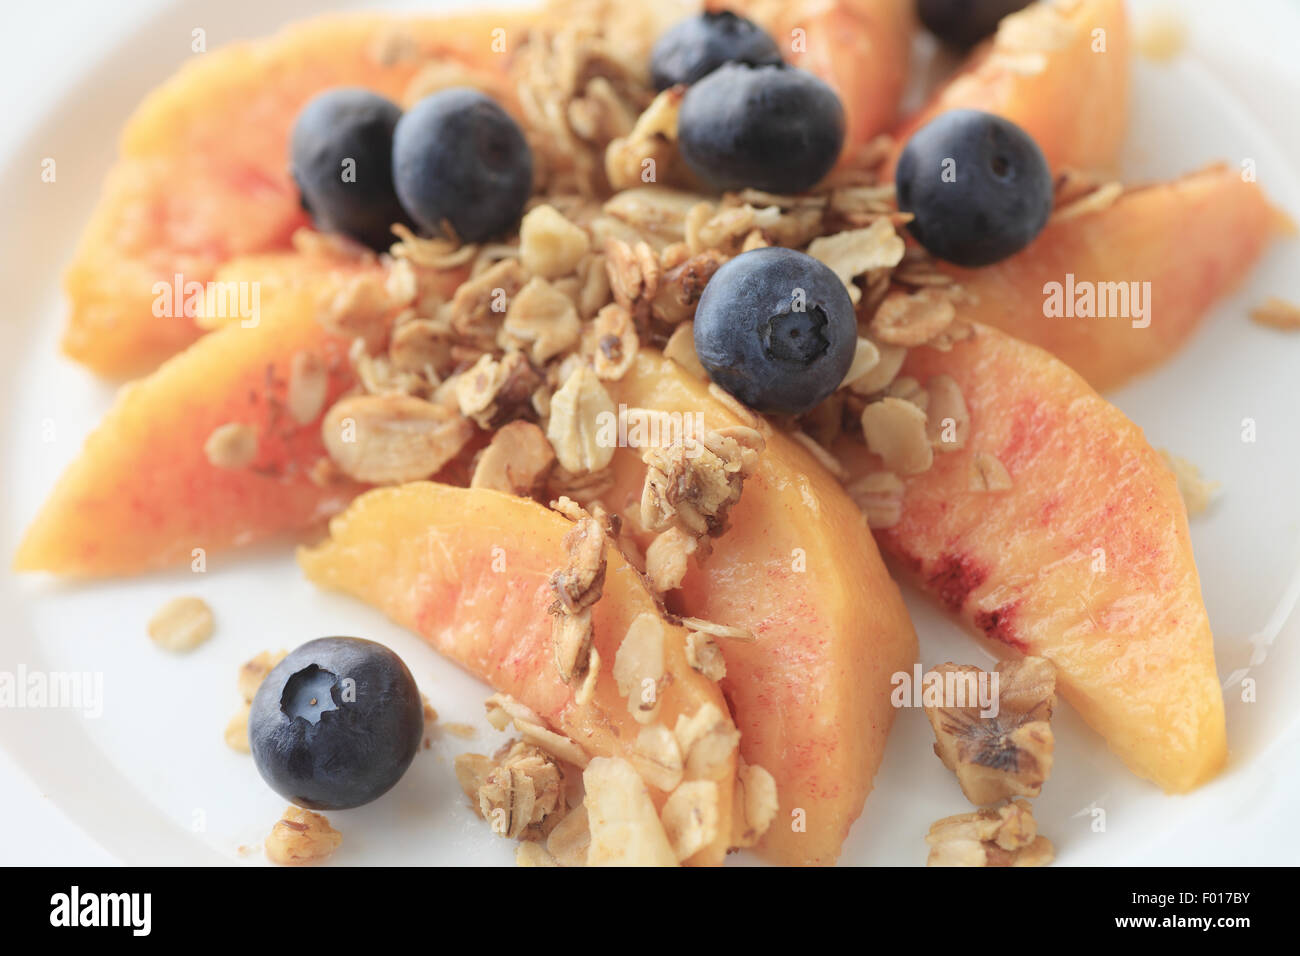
x=550, y=245
x=999, y=836
x=1004, y=755
x=301, y=838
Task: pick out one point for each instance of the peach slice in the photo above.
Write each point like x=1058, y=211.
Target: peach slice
x=799, y=569
x=203, y=174
x=468, y=570
x=862, y=48
x=143, y=493
x=1059, y=70
x=1085, y=559
x=1179, y=246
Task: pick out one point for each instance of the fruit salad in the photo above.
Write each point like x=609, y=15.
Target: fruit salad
x=630, y=354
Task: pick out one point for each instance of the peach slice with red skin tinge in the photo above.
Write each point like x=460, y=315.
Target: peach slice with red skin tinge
x=203, y=174
x=1192, y=239
x=143, y=493
x=799, y=569
x=1085, y=560
x=469, y=571
x=1058, y=70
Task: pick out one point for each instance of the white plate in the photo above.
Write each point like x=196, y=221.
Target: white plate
x=151, y=781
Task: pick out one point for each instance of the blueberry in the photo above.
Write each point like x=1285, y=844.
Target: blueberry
x=774, y=128
x=963, y=23
x=341, y=158
x=692, y=49
x=459, y=158
x=336, y=723
x=978, y=185
x=776, y=329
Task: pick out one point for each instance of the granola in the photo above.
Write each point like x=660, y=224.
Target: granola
x=1006, y=754
x=181, y=624
x=1001, y=836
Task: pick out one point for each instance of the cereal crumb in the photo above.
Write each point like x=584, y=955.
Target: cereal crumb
x=181, y=624
x=1198, y=492
x=232, y=445
x=1000, y=836
x=1004, y=755
x=1277, y=314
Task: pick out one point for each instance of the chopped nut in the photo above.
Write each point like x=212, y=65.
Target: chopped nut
x=639, y=667
x=611, y=343
x=1002, y=836
x=987, y=473
x=880, y=496
x=681, y=349
x=570, y=839
x=308, y=387
x=578, y=411
x=650, y=147
x=494, y=392
x=549, y=245
x=181, y=624
x=1008, y=754
x=233, y=446
x=516, y=461
x=691, y=818
x=911, y=319
x=667, y=557
x=681, y=286
x=1277, y=314
x=855, y=251
x=1197, y=492
x=755, y=805
x=480, y=303
x=236, y=735
x=703, y=655
x=707, y=740
x=948, y=420
x=301, y=838
x=625, y=828
x=542, y=320
x=895, y=430
x=392, y=438
x=253, y=672
x=358, y=308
